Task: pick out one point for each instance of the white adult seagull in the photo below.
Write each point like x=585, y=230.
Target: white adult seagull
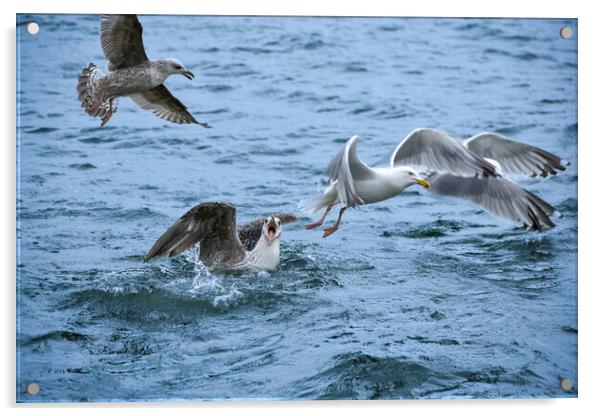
x=433, y=159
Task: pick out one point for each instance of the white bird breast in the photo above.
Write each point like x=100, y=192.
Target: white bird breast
x=385, y=184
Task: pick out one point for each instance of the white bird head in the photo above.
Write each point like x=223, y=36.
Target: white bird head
x=408, y=176
x=173, y=66
x=272, y=228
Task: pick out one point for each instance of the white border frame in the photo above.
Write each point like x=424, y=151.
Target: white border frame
x=589, y=67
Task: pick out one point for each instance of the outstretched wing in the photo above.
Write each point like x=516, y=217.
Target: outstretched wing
x=121, y=40
x=346, y=168
x=514, y=157
x=499, y=196
x=430, y=150
x=250, y=233
x=212, y=224
x=164, y=105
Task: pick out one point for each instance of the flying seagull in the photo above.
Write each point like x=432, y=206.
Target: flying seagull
x=130, y=73
x=255, y=246
x=472, y=170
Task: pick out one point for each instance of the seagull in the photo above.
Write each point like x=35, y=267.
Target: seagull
x=472, y=170
x=255, y=246
x=130, y=73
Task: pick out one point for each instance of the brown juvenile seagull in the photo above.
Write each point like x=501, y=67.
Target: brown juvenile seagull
x=255, y=246
x=472, y=170
x=130, y=74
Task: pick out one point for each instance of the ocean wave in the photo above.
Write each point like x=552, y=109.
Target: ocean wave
x=362, y=376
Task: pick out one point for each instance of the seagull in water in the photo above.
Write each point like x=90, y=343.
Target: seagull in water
x=255, y=246
x=472, y=170
x=131, y=74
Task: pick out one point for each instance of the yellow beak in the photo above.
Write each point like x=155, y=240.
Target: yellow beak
x=424, y=183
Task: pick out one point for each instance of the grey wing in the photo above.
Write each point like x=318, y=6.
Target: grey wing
x=249, y=233
x=164, y=105
x=515, y=157
x=430, y=150
x=332, y=170
x=346, y=168
x=121, y=40
x=499, y=196
x=210, y=224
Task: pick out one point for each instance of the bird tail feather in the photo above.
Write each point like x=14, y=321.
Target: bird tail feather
x=90, y=94
x=315, y=204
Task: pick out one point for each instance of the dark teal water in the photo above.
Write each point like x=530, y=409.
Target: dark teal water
x=415, y=297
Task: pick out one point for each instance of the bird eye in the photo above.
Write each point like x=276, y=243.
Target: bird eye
x=176, y=66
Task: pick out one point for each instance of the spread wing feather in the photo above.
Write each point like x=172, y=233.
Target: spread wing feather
x=499, y=196
x=430, y=150
x=212, y=225
x=121, y=40
x=164, y=105
x=514, y=157
x=346, y=168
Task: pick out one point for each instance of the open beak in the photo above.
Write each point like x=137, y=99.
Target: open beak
x=188, y=74
x=272, y=230
x=424, y=183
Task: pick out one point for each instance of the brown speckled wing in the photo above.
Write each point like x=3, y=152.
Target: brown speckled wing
x=164, y=105
x=212, y=225
x=121, y=40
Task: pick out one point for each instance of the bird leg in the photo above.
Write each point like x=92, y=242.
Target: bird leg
x=321, y=220
x=330, y=230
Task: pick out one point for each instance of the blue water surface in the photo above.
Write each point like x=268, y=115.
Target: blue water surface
x=414, y=297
